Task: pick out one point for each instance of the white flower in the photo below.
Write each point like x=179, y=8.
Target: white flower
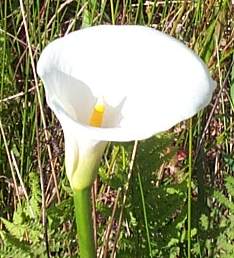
x=146, y=80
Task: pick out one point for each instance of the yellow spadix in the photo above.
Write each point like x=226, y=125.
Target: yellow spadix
x=97, y=115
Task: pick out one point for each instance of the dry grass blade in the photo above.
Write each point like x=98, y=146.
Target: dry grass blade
x=39, y=99
x=125, y=192
x=10, y=162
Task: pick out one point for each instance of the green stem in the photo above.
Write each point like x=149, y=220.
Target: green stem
x=84, y=222
x=190, y=185
x=145, y=215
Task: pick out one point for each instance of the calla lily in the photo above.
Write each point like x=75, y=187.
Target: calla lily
x=116, y=83
x=147, y=81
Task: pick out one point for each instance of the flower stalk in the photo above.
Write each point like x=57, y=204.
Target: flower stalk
x=84, y=222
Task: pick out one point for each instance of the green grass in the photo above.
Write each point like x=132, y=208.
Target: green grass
x=141, y=195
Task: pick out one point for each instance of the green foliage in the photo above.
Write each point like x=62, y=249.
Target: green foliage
x=225, y=241
x=24, y=236
x=165, y=201
x=164, y=221
x=25, y=224
x=218, y=225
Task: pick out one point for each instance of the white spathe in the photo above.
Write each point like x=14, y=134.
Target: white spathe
x=148, y=81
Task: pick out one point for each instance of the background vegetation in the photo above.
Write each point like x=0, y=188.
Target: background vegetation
x=141, y=194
